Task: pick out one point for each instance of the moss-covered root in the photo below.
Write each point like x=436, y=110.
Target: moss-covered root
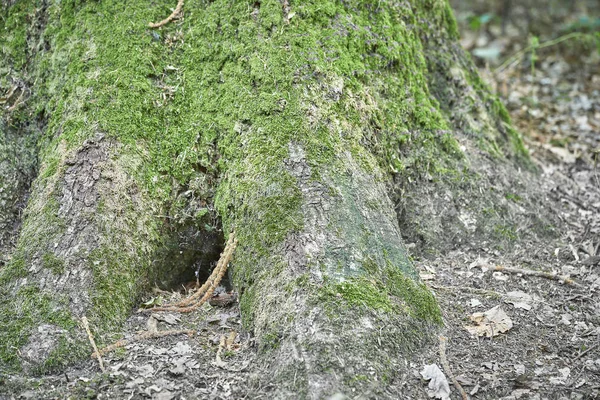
x=336, y=306
x=84, y=249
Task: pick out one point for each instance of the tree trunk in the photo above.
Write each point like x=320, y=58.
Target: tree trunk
x=306, y=127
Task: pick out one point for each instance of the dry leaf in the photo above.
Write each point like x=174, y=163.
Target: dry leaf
x=519, y=300
x=152, y=324
x=438, y=384
x=490, y=323
x=474, y=303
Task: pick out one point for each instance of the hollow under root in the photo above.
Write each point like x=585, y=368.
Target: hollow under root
x=200, y=297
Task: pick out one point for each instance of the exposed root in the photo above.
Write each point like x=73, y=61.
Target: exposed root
x=543, y=274
x=192, y=303
x=447, y=369
x=142, y=336
x=170, y=18
x=86, y=325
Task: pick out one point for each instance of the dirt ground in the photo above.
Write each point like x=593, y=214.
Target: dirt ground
x=510, y=335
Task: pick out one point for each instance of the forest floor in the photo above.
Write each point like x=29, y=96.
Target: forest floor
x=540, y=336
x=546, y=343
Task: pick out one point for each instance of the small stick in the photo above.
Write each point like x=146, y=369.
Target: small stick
x=529, y=272
x=84, y=321
x=447, y=369
x=169, y=18
x=585, y=352
x=142, y=336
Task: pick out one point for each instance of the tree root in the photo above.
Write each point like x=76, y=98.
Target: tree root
x=447, y=369
x=192, y=303
x=170, y=18
x=529, y=272
x=141, y=336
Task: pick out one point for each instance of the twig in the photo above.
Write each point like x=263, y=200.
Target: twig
x=226, y=343
x=170, y=18
x=17, y=102
x=142, y=336
x=529, y=272
x=447, y=369
x=548, y=43
x=84, y=321
x=585, y=352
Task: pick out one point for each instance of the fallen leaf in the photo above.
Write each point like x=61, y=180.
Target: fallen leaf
x=490, y=323
x=565, y=319
x=164, y=395
x=562, y=379
x=170, y=319
x=155, y=301
x=152, y=324
x=474, y=303
x=181, y=348
x=519, y=300
x=500, y=276
x=438, y=384
x=426, y=277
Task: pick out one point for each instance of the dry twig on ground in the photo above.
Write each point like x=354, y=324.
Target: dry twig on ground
x=86, y=326
x=447, y=369
x=529, y=272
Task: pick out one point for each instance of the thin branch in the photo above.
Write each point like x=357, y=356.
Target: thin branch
x=549, y=43
x=86, y=325
x=529, y=272
x=447, y=369
x=170, y=18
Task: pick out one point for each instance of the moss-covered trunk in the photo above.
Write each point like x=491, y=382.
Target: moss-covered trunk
x=297, y=125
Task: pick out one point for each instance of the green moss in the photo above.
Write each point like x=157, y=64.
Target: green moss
x=247, y=306
x=32, y=307
x=14, y=26
x=53, y=263
x=66, y=352
x=513, y=197
x=414, y=295
x=118, y=283
x=270, y=341
x=226, y=90
x=506, y=232
x=387, y=290
x=360, y=292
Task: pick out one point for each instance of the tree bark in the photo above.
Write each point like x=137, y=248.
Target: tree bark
x=300, y=127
